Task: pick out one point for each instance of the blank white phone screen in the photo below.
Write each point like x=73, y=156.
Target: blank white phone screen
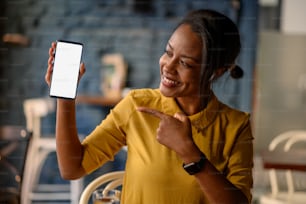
x=66, y=69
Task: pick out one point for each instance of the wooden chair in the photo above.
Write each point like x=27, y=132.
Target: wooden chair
x=111, y=180
x=285, y=155
x=38, y=150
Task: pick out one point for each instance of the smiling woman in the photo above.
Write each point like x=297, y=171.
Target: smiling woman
x=180, y=68
x=184, y=145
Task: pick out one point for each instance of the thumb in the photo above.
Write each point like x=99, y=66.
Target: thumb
x=82, y=68
x=181, y=117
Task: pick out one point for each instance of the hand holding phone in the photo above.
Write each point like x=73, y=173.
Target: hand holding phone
x=66, y=68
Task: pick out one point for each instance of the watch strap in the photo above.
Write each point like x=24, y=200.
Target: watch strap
x=195, y=167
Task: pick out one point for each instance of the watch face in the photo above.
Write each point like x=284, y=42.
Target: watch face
x=192, y=168
x=195, y=167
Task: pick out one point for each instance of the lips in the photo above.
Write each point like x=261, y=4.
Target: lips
x=169, y=82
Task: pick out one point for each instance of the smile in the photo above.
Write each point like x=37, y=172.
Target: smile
x=168, y=82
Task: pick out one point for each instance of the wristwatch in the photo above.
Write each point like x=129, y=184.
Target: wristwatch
x=195, y=167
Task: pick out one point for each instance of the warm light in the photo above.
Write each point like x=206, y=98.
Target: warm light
x=23, y=133
x=15, y=38
x=17, y=178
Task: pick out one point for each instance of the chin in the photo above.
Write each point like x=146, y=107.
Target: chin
x=166, y=95
x=166, y=92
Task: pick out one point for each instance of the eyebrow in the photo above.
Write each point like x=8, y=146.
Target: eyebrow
x=186, y=56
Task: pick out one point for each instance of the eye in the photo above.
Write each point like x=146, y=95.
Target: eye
x=185, y=64
x=168, y=53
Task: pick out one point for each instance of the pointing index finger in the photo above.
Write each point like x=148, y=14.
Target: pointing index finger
x=152, y=112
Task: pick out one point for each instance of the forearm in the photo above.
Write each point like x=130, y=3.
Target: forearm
x=217, y=188
x=98, y=100
x=69, y=148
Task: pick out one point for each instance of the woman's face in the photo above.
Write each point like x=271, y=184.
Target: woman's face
x=180, y=65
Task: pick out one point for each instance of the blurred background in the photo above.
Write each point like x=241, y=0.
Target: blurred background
x=273, y=34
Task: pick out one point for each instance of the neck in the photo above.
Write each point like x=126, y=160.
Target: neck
x=193, y=105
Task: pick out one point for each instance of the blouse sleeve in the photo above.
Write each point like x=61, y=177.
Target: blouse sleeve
x=241, y=161
x=108, y=137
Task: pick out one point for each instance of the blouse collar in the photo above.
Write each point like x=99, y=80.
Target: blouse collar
x=202, y=118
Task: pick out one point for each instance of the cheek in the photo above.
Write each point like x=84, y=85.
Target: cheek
x=162, y=61
x=191, y=78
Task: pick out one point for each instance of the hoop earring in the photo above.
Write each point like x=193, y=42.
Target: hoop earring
x=212, y=77
x=211, y=85
x=211, y=81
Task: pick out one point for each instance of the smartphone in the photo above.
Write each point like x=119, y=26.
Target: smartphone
x=66, y=67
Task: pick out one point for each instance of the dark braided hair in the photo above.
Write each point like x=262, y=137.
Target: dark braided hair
x=221, y=44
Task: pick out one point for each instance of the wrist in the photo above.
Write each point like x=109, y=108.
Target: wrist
x=195, y=166
x=63, y=101
x=67, y=105
x=190, y=153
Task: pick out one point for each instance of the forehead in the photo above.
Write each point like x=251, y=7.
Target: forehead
x=186, y=41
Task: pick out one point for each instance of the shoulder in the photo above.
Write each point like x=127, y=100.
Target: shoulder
x=237, y=122
x=146, y=92
x=233, y=118
x=139, y=97
x=232, y=113
x=144, y=96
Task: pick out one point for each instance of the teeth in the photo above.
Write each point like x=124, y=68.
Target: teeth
x=169, y=81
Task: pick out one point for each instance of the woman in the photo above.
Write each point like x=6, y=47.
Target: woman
x=184, y=146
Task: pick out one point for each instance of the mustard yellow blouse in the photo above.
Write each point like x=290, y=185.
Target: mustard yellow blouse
x=154, y=173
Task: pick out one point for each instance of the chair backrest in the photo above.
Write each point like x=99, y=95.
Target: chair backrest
x=110, y=180
x=285, y=142
x=34, y=110
x=292, y=136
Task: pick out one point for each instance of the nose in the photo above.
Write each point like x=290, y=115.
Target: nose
x=168, y=64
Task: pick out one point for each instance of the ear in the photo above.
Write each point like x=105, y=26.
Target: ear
x=218, y=73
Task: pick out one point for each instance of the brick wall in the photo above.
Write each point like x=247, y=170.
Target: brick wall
x=103, y=26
